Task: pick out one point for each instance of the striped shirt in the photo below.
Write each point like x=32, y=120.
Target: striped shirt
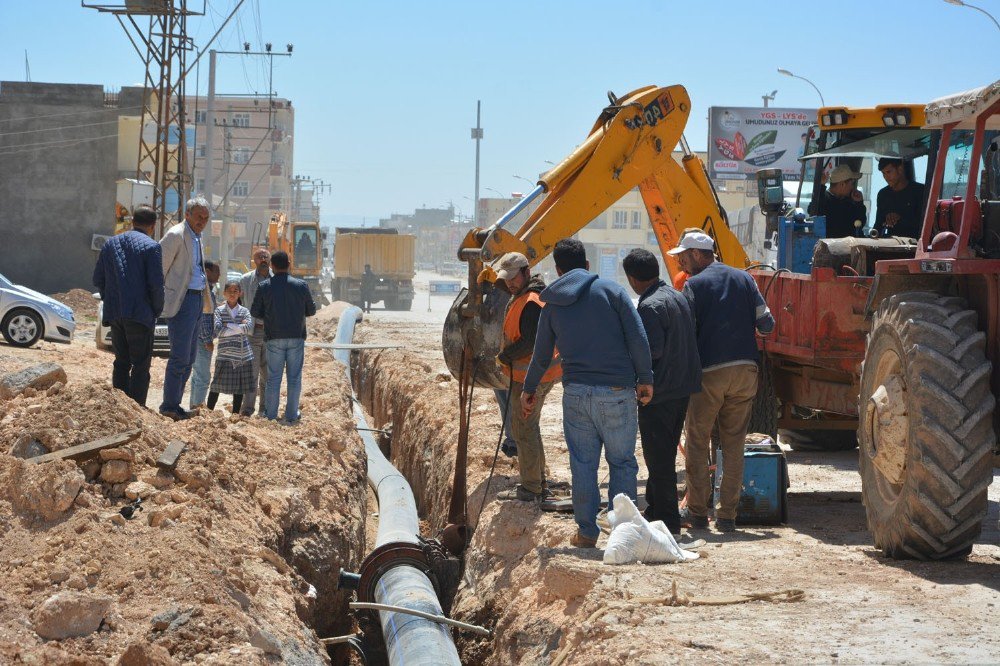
x=234, y=348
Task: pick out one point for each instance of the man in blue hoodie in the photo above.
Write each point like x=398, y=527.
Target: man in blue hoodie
x=606, y=370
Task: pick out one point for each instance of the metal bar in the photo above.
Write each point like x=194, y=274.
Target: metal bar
x=474, y=628
x=409, y=640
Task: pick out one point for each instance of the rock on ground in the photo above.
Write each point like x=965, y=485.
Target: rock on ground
x=68, y=614
x=46, y=490
x=38, y=377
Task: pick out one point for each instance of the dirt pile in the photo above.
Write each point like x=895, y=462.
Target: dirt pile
x=232, y=557
x=82, y=302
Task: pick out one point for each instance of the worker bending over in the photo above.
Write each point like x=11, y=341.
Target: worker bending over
x=606, y=370
x=728, y=308
x=520, y=327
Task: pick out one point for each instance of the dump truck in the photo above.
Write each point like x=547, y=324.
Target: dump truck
x=391, y=257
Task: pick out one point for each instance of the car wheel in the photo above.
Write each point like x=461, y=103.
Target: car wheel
x=22, y=327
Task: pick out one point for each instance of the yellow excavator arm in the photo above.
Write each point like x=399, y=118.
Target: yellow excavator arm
x=631, y=145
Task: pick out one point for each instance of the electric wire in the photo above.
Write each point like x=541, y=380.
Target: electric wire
x=56, y=129
x=71, y=113
x=61, y=143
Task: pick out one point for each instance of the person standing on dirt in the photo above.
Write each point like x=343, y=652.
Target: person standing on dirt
x=129, y=277
x=728, y=309
x=669, y=324
x=283, y=302
x=233, y=325
x=248, y=287
x=606, y=370
x=899, y=207
x=201, y=371
x=520, y=328
x=186, y=298
x=841, y=203
x=369, y=281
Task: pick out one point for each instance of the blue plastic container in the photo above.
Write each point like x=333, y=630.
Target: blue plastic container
x=763, y=500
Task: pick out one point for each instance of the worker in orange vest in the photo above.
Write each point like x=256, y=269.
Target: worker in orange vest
x=519, y=330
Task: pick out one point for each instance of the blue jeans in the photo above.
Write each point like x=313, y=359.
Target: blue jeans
x=592, y=416
x=284, y=354
x=502, y=398
x=201, y=374
x=182, y=330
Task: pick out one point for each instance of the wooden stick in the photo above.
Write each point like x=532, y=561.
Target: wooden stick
x=83, y=451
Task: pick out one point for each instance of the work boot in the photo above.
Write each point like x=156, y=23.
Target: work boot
x=694, y=522
x=725, y=525
x=580, y=541
x=521, y=494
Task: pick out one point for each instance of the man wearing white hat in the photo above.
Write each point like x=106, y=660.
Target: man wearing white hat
x=841, y=203
x=728, y=309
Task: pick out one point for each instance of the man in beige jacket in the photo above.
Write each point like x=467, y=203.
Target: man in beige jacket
x=185, y=298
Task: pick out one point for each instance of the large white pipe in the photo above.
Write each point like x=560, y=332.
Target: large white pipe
x=409, y=640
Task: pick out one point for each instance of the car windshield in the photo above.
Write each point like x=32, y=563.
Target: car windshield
x=902, y=143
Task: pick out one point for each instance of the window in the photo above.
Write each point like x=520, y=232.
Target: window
x=305, y=247
x=241, y=218
x=620, y=220
x=200, y=116
x=200, y=185
x=241, y=156
x=636, y=220
x=276, y=189
x=201, y=150
x=241, y=188
x=241, y=120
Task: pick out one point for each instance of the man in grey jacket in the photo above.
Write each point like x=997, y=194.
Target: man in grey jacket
x=186, y=297
x=248, y=286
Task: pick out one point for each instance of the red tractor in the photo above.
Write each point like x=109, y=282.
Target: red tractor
x=898, y=338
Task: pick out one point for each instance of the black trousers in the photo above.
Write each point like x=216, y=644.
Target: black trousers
x=133, y=346
x=660, y=427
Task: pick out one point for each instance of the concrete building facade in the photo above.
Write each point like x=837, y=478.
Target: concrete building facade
x=58, y=168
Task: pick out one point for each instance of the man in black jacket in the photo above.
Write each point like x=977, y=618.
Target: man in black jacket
x=669, y=322
x=129, y=276
x=842, y=204
x=283, y=302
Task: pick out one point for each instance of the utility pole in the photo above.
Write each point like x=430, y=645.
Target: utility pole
x=477, y=134
x=224, y=235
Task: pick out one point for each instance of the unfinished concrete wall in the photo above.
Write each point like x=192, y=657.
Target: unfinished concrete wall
x=58, y=169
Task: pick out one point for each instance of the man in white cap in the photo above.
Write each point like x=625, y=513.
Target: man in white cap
x=520, y=327
x=728, y=309
x=842, y=204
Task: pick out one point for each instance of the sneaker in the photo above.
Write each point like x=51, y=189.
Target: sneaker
x=692, y=521
x=725, y=524
x=509, y=448
x=580, y=541
x=519, y=493
x=179, y=415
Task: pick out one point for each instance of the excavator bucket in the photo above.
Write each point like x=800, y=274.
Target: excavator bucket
x=481, y=334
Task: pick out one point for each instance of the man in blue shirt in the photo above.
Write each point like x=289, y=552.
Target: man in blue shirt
x=129, y=276
x=728, y=309
x=606, y=370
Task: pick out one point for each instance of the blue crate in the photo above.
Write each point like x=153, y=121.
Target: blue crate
x=763, y=499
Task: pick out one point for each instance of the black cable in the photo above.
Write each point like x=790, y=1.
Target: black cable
x=496, y=453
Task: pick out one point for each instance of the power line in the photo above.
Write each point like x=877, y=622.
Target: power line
x=55, y=129
x=71, y=113
x=62, y=143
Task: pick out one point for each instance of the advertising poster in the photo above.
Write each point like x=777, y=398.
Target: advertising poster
x=742, y=140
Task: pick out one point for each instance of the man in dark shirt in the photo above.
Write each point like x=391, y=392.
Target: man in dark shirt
x=842, y=204
x=899, y=209
x=283, y=302
x=129, y=276
x=668, y=320
x=728, y=310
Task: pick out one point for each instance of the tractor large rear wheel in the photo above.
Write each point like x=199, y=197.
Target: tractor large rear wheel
x=925, y=429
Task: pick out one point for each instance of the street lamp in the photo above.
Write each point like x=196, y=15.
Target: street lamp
x=794, y=76
x=960, y=3
x=530, y=182
x=769, y=98
x=500, y=194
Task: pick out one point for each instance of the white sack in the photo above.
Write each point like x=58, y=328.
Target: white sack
x=634, y=539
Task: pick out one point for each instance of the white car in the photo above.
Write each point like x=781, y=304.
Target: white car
x=27, y=316
x=102, y=333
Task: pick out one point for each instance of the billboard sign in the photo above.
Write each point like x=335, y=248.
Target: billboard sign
x=742, y=140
